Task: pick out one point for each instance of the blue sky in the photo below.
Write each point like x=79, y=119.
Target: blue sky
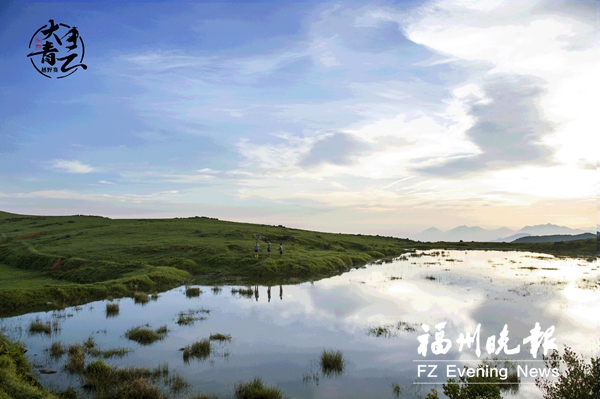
x=378, y=117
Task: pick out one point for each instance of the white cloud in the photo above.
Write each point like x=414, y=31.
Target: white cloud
x=72, y=166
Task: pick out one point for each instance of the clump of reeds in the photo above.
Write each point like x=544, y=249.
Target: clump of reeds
x=248, y=292
x=57, y=350
x=177, y=383
x=191, y=292
x=216, y=289
x=220, y=337
x=380, y=331
x=76, y=360
x=112, y=309
x=332, y=362
x=256, y=389
x=191, y=316
x=146, y=336
x=37, y=326
x=199, y=349
x=396, y=389
x=141, y=297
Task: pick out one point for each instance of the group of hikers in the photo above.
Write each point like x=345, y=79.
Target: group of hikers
x=256, y=249
x=268, y=292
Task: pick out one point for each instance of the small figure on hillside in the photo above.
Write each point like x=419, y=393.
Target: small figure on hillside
x=269, y=248
x=280, y=291
x=256, y=292
x=269, y=293
x=256, y=250
x=280, y=250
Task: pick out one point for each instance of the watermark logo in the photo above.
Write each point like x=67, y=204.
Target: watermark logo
x=442, y=345
x=57, y=50
x=494, y=346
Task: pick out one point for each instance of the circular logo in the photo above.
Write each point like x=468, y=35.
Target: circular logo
x=57, y=50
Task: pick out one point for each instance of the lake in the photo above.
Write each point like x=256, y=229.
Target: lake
x=373, y=315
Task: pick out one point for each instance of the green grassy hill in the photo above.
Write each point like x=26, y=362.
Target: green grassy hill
x=58, y=260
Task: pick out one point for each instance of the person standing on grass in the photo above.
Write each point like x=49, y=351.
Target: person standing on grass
x=269, y=248
x=280, y=250
x=256, y=250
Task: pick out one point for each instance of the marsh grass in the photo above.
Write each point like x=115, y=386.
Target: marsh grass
x=381, y=331
x=199, y=349
x=112, y=309
x=37, y=326
x=332, y=363
x=247, y=292
x=192, y=315
x=312, y=376
x=146, y=336
x=396, y=389
x=389, y=330
x=177, y=383
x=107, y=382
x=192, y=292
x=185, y=319
x=256, y=389
x=57, y=350
x=115, y=352
x=220, y=337
x=216, y=289
x=141, y=297
x=76, y=358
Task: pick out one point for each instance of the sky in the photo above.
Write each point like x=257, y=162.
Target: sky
x=359, y=117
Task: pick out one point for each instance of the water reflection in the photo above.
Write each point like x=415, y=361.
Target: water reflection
x=281, y=341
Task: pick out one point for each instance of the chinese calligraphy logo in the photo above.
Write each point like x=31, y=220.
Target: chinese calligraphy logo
x=57, y=50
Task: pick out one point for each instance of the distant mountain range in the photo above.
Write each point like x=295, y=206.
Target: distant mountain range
x=503, y=234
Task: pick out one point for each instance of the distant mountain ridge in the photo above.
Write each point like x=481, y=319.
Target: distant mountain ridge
x=555, y=238
x=502, y=234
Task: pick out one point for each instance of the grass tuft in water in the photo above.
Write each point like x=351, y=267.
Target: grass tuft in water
x=256, y=389
x=146, y=336
x=141, y=297
x=199, y=350
x=76, y=360
x=332, y=362
x=57, y=350
x=108, y=382
x=396, y=389
x=220, y=337
x=37, y=326
x=247, y=292
x=191, y=292
x=191, y=316
x=112, y=309
x=177, y=384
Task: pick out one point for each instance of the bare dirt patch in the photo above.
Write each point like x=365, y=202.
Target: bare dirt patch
x=57, y=263
x=30, y=235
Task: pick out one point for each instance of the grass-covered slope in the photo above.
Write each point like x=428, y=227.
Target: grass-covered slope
x=50, y=259
x=16, y=380
x=62, y=260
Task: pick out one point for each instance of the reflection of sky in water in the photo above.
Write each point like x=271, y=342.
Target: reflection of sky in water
x=280, y=340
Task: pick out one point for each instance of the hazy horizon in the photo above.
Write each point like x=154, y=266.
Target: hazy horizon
x=337, y=116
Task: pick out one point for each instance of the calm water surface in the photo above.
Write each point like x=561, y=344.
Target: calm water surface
x=281, y=338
